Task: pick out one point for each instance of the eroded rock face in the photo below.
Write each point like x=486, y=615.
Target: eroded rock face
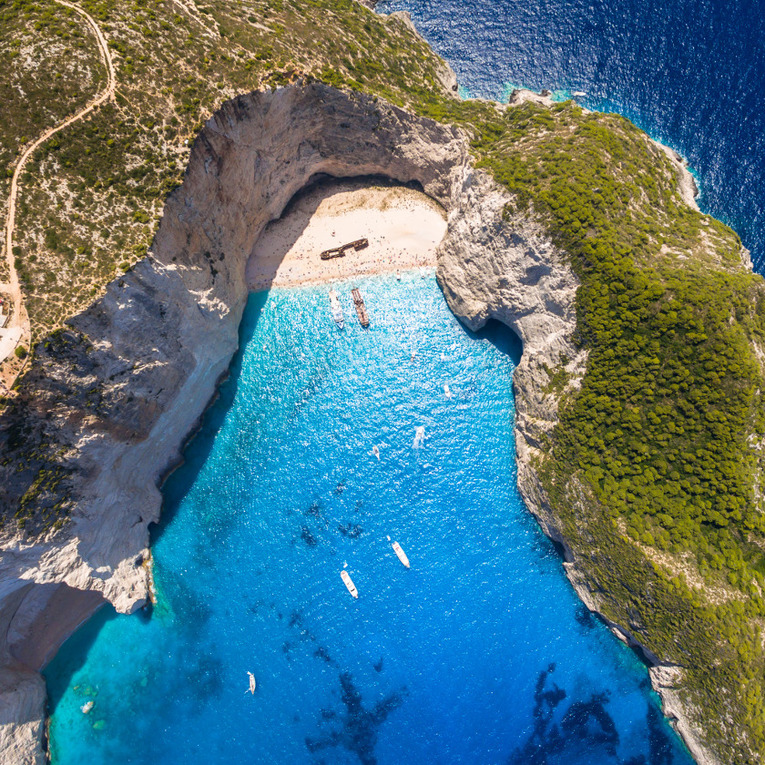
x=495, y=264
x=115, y=395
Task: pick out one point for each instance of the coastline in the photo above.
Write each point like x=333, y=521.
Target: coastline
x=403, y=227
x=156, y=366
x=541, y=314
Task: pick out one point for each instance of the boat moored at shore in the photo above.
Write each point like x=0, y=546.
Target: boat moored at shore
x=361, y=309
x=336, y=308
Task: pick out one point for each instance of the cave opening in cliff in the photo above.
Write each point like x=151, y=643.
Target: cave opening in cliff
x=503, y=338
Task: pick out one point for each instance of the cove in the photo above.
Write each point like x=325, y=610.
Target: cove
x=480, y=653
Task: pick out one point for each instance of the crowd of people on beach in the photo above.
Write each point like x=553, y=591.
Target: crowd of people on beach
x=403, y=232
x=300, y=266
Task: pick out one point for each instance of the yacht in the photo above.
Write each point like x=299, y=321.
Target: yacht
x=349, y=583
x=336, y=308
x=400, y=553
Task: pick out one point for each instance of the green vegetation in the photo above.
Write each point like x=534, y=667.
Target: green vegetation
x=92, y=195
x=653, y=470
x=50, y=69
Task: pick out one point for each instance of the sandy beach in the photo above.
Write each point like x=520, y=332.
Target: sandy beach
x=403, y=227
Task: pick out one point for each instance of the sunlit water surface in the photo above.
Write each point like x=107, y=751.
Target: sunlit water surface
x=480, y=653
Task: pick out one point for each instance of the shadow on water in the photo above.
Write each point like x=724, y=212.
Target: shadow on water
x=199, y=446
x=501, y=337
x=59, y=673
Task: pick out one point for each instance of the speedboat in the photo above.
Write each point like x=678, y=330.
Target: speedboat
x=349, y=583
x=336, y=308
x=400, y=553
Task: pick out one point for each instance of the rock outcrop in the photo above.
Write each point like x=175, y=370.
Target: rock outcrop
x=496, y=264
x=116, y=393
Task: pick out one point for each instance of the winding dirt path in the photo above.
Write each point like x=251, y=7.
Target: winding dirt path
x=191, y=11
x=19, y=316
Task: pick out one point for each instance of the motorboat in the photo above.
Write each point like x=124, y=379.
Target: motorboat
x=346, y=577
x=336, y=308
x=400, y=553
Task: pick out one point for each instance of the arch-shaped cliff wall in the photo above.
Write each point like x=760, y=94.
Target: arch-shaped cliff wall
x=115, y=395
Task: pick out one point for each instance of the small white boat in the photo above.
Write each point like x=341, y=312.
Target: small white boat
x=447, y=392
x=376, y=451
x=252, y=683
x=349, y=583
x=336, y=308
x=419, y=437
x=400, y=553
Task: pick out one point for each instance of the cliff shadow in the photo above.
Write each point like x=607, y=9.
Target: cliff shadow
x=198, y=446
x=504, y=339
x=73, y=654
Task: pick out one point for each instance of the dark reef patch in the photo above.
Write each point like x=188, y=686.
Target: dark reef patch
x=359, y=726
x=350, y=530
x=307, y=536
x=584, y=617
x=584, y=732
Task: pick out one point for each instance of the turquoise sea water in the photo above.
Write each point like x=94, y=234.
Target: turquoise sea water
x=480, y=653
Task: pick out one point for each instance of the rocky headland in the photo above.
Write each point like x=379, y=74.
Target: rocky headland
x=119, y=390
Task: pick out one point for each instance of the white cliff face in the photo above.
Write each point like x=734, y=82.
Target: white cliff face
x=116, y=395
x=495, y=264
x=22, y=721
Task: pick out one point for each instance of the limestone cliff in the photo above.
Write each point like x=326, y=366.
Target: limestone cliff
x=116, y=394
x=496, y=265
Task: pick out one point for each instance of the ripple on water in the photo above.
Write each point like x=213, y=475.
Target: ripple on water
x=690, y=73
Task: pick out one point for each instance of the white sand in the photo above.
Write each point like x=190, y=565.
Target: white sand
x=403, y=227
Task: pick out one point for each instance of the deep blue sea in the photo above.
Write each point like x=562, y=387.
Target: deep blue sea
x=479, y=653
x=689, y=72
